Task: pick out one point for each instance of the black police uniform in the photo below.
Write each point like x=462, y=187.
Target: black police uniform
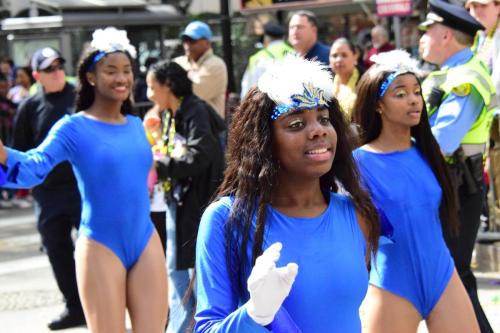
x=462, y=245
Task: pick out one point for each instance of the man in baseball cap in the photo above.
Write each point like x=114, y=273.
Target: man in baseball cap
x=44, y=57
x=57, y=199
x=197, y=30
x=207, y=71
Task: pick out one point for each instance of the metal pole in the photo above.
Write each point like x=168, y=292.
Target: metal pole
x=397, y=31
x=226, y=42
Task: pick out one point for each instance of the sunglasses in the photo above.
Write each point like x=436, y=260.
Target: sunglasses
x=189, y=40
x=53, y=69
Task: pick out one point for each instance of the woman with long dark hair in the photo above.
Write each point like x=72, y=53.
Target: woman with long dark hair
x=119, y=260
x=288, y=155
x=413, y=276
x=344, y=65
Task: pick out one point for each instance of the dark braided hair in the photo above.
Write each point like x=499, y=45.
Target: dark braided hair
x=85, y=94
x=252, y=171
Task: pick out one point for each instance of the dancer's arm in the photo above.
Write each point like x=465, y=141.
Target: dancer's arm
x=219, y=307
x=28, y=169
x=3, y=169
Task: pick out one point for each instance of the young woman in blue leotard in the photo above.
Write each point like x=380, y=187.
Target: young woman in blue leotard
x=119, y=259
x=413, y=276
x=288, y=152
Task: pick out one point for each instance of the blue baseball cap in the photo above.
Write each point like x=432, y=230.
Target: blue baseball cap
x=197, y=30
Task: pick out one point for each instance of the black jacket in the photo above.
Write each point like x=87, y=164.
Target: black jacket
x=199, y=172
x=34, y=119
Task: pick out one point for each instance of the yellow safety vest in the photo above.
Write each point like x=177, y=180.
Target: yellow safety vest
x=458, y=80
x=276, y=51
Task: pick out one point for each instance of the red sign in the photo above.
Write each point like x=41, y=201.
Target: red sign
x=393, y=7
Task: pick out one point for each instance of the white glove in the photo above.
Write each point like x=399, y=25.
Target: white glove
x=269, y=285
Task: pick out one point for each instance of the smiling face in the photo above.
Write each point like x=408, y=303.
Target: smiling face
x=304, y=143
x=113, y=77
x=402, y=103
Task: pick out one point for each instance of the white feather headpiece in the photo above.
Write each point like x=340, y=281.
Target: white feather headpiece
x=112, y=40
x=396, y=62
x=296, y=83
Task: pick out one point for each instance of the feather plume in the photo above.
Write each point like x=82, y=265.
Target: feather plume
x=398, y=61
x=295, y=79
x=110, y=40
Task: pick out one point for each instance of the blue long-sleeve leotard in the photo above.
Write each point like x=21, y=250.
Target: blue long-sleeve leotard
x=111, y=163
x=413, y=260
x=331, y=283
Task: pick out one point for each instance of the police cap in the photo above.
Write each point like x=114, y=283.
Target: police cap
x=452, y=16
x=274, y=30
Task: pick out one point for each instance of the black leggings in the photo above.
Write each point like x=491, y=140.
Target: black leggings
x=462, y=245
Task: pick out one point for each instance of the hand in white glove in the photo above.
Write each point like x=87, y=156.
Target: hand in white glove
x=269, y=285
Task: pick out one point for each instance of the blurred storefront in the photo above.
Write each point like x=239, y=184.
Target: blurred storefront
x=68, y=24
x=346, y=18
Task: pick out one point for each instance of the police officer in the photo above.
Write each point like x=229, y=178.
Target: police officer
x=275, y=48
x=458, y=97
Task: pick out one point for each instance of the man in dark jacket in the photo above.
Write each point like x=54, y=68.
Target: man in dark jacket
x=57, y=199
x=194, y=168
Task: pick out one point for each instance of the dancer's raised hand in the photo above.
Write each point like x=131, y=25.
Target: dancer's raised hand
x=269, y=285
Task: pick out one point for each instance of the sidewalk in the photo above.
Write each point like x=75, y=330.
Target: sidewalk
x=29, y=297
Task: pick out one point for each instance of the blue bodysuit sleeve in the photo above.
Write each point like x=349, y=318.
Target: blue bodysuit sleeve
x=454, y=118
x=3, y=175
x=218, y=309
x=28, y=169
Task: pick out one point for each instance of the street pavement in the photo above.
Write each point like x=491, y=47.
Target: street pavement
x=29, y=297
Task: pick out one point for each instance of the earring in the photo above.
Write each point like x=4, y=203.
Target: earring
x=92, y=83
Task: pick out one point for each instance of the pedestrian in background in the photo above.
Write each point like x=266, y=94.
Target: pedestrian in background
x=190, y=170
x=458, y=97
x=343, y=63
x=487, y=47
x=487, y=42
x=155, y=127
x=119, y=260
x=206, y=70
x=275, y=49
x=303, y=36
x=380, y=43
x=7, y=111
x=8, y=68
x=35, y=116
x=24, y=81
x=412, y=277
